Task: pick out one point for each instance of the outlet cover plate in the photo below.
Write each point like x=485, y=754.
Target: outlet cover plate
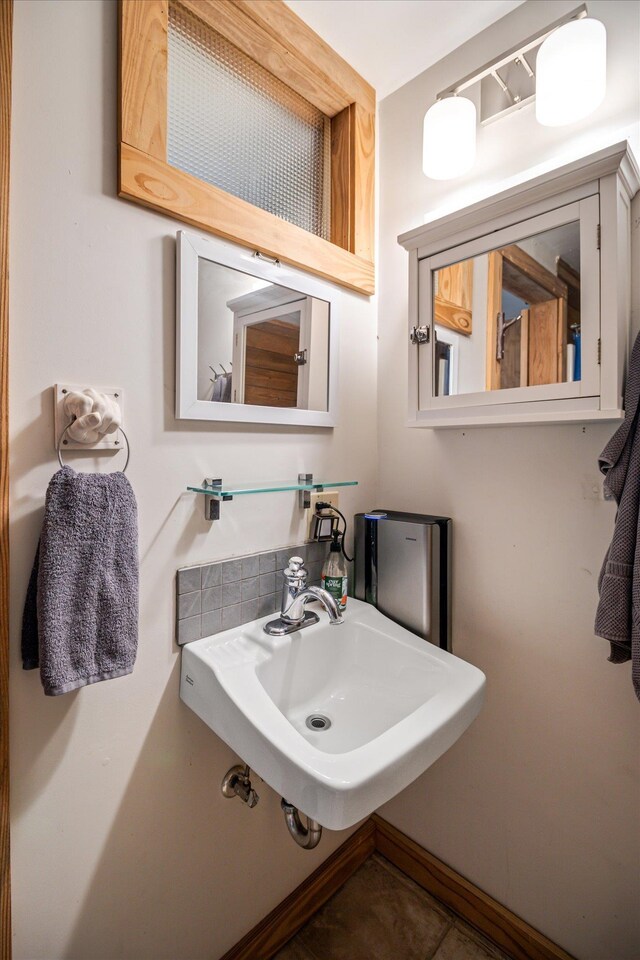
x=332, y=498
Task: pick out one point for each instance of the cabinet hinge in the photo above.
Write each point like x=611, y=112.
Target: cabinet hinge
x=599, y=349
x=598, y=236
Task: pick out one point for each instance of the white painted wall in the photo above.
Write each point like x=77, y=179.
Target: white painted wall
x=122, y=845
x=538, y=802
x=217, y=284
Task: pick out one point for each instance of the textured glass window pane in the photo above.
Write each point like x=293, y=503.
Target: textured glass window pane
x=235, y=125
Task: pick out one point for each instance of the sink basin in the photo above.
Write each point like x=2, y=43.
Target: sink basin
x=394, y=703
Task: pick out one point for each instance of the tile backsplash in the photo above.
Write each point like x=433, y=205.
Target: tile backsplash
x=216, y=596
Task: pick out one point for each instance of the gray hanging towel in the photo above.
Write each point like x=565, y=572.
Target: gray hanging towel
x=618, y=614
x=80, y=622
x=218, y=388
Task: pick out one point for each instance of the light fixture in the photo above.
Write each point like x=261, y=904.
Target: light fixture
x=562, y=67
x=449, y=138
x=571, y=72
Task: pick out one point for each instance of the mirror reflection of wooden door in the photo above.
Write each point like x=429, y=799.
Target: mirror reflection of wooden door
x=271, y=373
x=547, y=341
x=453, y=297
x=271, y=351
x=531, y=349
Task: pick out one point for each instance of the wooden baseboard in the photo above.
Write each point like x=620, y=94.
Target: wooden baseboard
x=289, y=916
x=505, y=929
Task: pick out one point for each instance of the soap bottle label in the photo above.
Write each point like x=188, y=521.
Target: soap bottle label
x=337, y=587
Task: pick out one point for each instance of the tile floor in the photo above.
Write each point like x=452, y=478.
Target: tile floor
x=380, y=914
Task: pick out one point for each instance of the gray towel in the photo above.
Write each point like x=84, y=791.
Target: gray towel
x=216, y=393
x=618, y=614
x=80, y=623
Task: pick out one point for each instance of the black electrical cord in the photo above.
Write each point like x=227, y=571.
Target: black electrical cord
x=323, y=505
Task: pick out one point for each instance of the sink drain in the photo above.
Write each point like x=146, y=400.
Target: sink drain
x=317, y=722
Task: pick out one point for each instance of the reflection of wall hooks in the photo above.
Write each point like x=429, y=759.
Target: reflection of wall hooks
x=503, y=326
x=216, y=375
x=263, y=256
x=221, y=383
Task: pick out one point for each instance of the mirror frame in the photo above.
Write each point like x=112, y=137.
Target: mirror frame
x=189, y=248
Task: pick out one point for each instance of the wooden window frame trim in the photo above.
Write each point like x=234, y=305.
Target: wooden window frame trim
x=272, y=35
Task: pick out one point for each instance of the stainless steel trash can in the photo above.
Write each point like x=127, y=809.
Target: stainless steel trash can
x=403, y=567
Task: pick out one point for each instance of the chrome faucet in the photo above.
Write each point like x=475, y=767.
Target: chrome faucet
x=295, y=595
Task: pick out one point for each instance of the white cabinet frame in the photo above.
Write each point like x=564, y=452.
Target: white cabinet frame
x=595, y=190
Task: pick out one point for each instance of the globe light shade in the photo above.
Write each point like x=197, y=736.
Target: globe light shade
x=449, y=139
x=571, y=72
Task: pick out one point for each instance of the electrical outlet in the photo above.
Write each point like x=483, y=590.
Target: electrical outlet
x=594, y=490
x=332, y=498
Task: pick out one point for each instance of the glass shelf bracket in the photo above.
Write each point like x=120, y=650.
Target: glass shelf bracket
x=215, y=490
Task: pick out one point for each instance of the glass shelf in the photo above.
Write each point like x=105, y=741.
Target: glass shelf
x=217, y=490
x=225, y=490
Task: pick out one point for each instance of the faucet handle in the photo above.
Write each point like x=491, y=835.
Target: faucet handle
x=296, y=570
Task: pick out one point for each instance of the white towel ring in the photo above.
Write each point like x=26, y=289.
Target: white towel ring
x=61, y=441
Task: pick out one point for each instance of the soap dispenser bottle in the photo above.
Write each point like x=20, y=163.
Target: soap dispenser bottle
x=334, y=572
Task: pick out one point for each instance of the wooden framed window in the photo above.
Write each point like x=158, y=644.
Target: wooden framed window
x=237, y=118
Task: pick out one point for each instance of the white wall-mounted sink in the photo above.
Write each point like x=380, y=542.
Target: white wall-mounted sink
x=396, y=703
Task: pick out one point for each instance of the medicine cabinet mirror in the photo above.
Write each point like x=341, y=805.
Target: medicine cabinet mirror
x=257, y=341
x=510, y=318
x=519, y=305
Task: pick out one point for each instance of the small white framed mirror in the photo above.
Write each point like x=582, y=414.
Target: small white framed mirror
x=257, y=341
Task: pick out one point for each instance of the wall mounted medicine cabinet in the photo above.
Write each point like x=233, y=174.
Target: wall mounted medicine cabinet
x=257, y=341
x=519, y=305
